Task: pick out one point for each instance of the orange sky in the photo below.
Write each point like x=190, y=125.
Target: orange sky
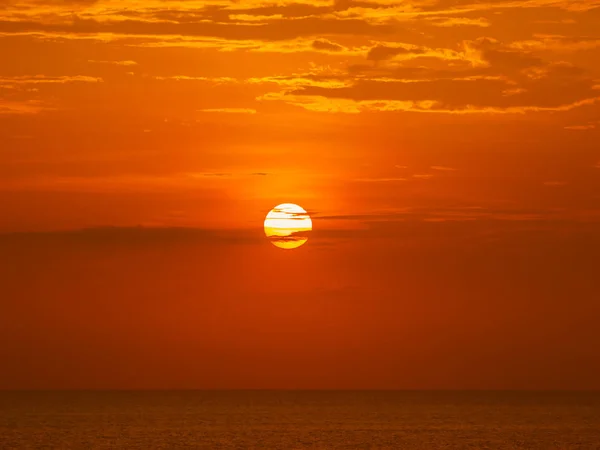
x=447, y=151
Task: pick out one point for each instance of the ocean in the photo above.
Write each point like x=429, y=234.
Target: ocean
x=289, y=420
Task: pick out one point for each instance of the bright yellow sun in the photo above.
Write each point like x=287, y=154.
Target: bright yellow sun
x=287, y=226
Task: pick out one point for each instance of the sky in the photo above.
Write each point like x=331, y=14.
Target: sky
x=445, y=150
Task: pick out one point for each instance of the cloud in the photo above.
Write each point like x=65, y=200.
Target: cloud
x=325, y=45
x=444, y=92
x=386, y=57
x=214, y=80
x=128, y=182
x=272, y=31
x=480, y=54
x=377, y=224
x=383, y=52
x=380, y=179
x=116, y=63
x=443, y=168
x=44, y=79
x=461, y=21
x=213, y=174
x=261, y=19
x=463, y=213
x=556, y=43
x=37, y=5
x=292, y=45
x=136, y=235
x=229, y=110
x=496, y=80
x=323, y=103
x=590, y=126
x=25, y=107
x=315, y=78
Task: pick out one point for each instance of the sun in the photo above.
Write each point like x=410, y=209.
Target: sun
x=287, y=226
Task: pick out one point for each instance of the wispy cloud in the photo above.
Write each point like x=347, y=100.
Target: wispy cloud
x=22, y=107
x=318, y=103
x=229, y=110
x=443, y=168
x=380, y=179
x=461, y=21
x=44, y=79
x=115, y=63
x=464, y=213
x=325, y=45
x=587, y=126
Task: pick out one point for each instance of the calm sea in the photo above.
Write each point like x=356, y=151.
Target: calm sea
x=299, y=419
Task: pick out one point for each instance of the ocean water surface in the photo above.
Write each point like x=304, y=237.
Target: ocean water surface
x=299, y=420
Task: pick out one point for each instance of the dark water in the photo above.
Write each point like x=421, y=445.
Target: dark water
x=299, y=419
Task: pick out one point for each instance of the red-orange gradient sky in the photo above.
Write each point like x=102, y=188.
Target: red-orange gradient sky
x=448, y=152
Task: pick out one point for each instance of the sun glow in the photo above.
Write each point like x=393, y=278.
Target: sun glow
x=287, y=226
